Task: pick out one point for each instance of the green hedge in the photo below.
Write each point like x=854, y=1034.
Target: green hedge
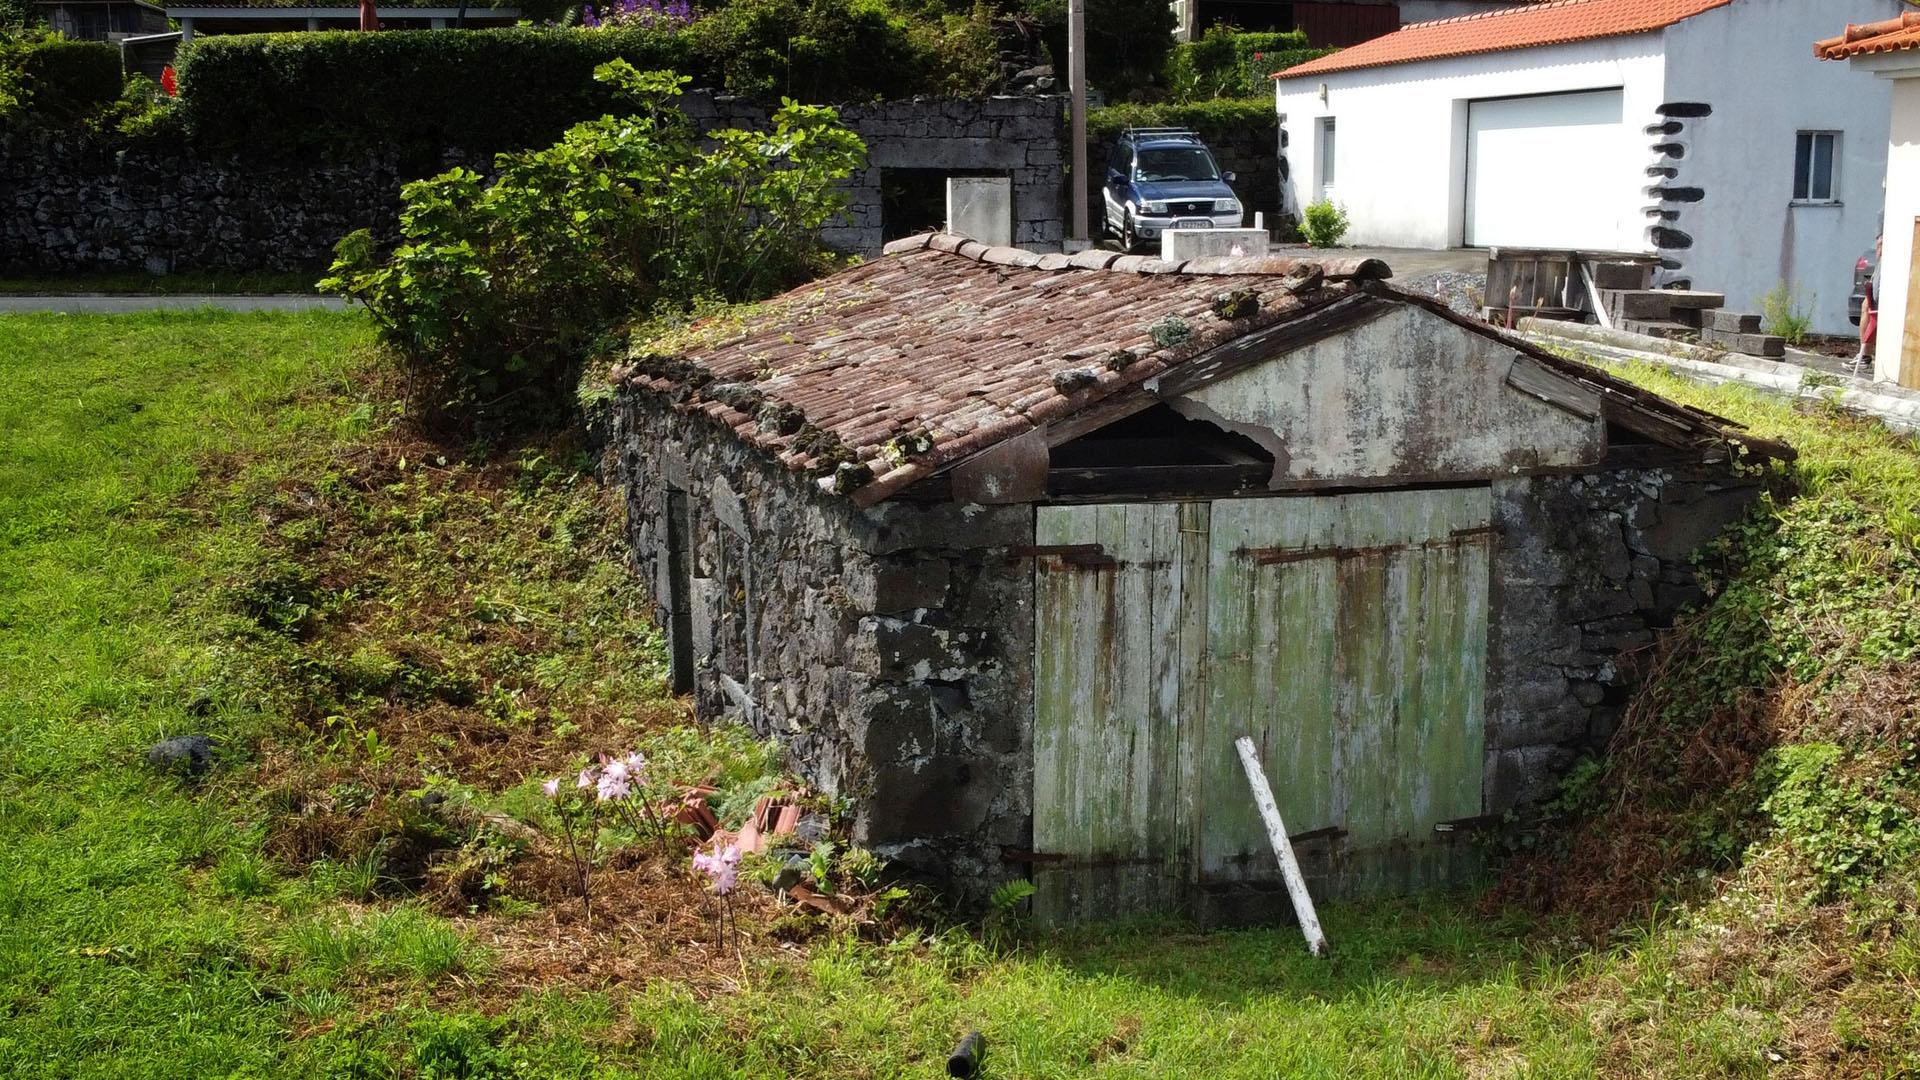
x=334, y=92
x=330, y=94
x=50, y=80
x=1226, y=114
x=1227, y=63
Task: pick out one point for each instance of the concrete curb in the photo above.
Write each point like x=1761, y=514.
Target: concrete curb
x=1897, y=407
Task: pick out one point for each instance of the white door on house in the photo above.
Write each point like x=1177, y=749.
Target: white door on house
x=1553, y=171
x=1323, y=187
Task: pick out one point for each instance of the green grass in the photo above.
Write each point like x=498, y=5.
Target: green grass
x=208, y=524
x=135, y=283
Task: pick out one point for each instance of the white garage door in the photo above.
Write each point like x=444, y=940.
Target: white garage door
x=1552, y=171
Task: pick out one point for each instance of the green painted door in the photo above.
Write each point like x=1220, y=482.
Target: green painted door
x=1346, y=634
x=1353, y=650
x=1109, y=671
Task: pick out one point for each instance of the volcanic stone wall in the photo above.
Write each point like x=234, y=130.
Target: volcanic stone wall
x=888, y=650
x=73, y=202
x=1586, y=569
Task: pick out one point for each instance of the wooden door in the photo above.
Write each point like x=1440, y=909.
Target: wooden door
x=1346, y=634
x=1114, y=640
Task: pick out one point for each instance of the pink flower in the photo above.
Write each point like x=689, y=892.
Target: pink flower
x=636, y=765
x=586, y=778
x=552, y=788
x=614, y=784
x=722, y=867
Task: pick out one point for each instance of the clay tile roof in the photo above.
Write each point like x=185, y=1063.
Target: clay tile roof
x=1557, y=22
x=893, y=370
x=944, y=347
x=1890, y=35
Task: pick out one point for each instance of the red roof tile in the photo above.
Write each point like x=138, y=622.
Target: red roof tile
x=898, y=368
x=1557, y=22
x=1890, y=35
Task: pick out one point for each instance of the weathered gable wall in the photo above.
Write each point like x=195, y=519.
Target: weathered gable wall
x=1407, y=396
x=889, y=650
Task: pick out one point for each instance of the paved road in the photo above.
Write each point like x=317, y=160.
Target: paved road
x=101, y=304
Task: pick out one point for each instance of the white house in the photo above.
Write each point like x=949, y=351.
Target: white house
x=1700, y=130
x=1891, y=50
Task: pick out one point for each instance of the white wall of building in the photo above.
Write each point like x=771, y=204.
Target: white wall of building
x=1753, y=62
x=1902, y=203
x=1401, y=132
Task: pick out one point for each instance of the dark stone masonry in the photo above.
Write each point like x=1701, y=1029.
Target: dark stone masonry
x=893, y=643
x=1586, y=568
x=76, y=203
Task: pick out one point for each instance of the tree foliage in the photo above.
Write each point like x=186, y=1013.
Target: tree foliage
x=1127, y=40
x=499, y=289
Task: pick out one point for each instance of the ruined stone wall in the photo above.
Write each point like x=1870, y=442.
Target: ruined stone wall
x=890, y=648
x=77, y=203
x=1022, y=138
x=1586, y=568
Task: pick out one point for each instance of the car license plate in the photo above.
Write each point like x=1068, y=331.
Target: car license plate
x=1192, y=223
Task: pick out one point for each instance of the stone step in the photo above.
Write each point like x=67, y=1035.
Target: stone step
x=1750, y=344
x=1732, y=322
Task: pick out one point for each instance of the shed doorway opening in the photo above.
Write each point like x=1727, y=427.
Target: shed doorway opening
x=1346, y=634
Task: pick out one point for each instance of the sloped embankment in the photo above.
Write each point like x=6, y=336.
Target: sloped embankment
x=1761, y=800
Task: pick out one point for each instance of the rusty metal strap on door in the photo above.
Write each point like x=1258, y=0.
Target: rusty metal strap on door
x=1277, y=556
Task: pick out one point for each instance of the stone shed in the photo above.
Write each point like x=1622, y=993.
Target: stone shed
x=1008, y=548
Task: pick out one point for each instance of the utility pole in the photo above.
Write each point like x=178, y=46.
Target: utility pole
x=1077, y=96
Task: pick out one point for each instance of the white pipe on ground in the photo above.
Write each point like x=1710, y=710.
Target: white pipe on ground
x=1282, y=847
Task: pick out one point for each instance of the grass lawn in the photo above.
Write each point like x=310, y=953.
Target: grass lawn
x=135, y=283
x=210, y=523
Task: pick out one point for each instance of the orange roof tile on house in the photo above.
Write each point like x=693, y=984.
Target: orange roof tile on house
x=1557, y=22
x=1889, y=35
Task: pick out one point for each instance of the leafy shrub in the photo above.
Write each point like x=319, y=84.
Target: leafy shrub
x=1212, y=119
x=1850, y=823
x=46, y=79
x=1325, y=224
x=843, y=50
x=1127, y=40
x=1784, y=316
x=1227, y=63
x=18, y=15
x=499, y=289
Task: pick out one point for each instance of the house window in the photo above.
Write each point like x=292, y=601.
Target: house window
x=1326, y=157
x=1815, y=167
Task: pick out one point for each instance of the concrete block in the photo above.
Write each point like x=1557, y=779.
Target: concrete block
x=1621, y=276
x=1732, y=322
x=1639, y=304
x=1180, y=245
x=1693, y=298
x=1750, y=344
x=981, y=207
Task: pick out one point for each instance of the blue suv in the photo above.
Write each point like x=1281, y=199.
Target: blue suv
x=1164, y=178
